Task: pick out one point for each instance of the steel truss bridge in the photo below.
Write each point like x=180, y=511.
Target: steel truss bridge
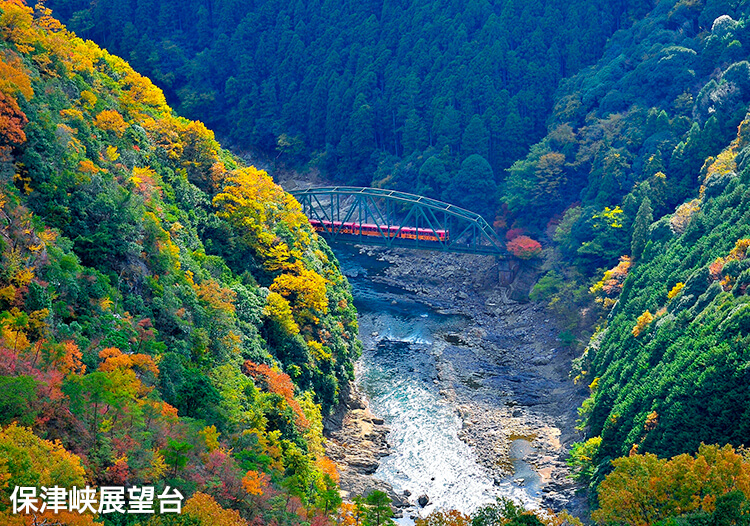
x=374, y=216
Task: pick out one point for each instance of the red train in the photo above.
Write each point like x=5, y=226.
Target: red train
x=368, y=229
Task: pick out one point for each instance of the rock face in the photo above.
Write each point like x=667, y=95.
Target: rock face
x=356, y=440
x=505, y=372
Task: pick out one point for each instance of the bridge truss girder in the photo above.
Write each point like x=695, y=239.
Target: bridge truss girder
x=468, y=231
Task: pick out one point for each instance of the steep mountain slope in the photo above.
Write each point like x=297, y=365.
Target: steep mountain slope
x=671, y=366
x=165, y=311
x=366, y=91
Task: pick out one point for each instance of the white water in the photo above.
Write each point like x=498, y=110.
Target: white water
x=397, y=375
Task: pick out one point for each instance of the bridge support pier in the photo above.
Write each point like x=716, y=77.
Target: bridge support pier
x=507, y=271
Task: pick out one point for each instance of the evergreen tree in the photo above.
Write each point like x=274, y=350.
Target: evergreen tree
x=476, y=139
x=643, y=220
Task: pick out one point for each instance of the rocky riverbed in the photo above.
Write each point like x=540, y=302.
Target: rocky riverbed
x=504, y=372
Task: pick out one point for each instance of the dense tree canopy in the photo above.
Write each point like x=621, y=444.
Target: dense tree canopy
x=366, y=91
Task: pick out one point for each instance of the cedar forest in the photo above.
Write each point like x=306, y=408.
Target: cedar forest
x=168, y=316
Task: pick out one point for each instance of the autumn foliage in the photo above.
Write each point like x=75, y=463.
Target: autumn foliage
x=523, y=247
x=645, y=489
x=140, y=266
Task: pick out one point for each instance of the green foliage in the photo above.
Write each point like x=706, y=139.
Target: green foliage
x=378, y=511
x=582, y=456
x=359, y=90
x=131, y=294
x=643, y=220
x=675, y=380
x=504, y=512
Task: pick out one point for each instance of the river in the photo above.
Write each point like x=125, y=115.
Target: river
x=405, y=350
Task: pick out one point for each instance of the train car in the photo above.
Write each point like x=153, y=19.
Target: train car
x=369, y=229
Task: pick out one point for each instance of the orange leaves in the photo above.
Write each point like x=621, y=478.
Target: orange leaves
x=328, y=467
x=523, y=247
x=204, y=508
x=644, y=489
x=446, y=518
x=111, y=120
x=218, y=298
x=643, y=321
x=14, y=79
x=716, y=269
x=114, y=359
x=652, y=420
x=609, y=287
x=255, y=483
x=71, y=360
x=279, y=383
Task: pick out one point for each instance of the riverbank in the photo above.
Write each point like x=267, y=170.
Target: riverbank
x=504, y=373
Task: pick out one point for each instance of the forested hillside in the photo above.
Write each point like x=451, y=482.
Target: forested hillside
x=169, y=315
x=366, y=91
x=166, y=313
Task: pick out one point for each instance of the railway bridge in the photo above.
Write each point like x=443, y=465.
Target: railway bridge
x=375, y=216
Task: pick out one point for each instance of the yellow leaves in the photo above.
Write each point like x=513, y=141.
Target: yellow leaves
x=49, y=461
x=8, y=294
x=305, y=292
x=88, y=99
x=610, y=216
x=675, y=290
x=72, y=114
x=139, y=93
x=210, y=437
x=23, y=276
x=164, y=133
x=16, y=25
x=110, y=154
x=277, y=258
x=644, y=489
x=254, y=204
x=106, y=304
x=682, y=216
x=740, y=250
x=206, y=510
x=643, y=321
x=255, y=483
x=156, y=468
x=111, y=120
x=318, y=352
x=277, y=308
x=724, y=164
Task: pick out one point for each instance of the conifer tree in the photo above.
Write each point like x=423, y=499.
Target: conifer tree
x=643, y=220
